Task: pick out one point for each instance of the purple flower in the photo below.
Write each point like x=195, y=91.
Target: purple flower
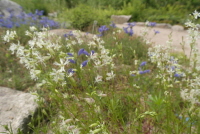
x=80, y=51
x=72, y=61
x=156, y=32
x=132, y=24
x=103, y=28
x=143, y=63
x=152, y=24
x=70, y=54
x=84, y=63
x=92, y=52
x=86, y=53
x=113, y=25
x=145, y=71
x=83, y=51
x=177, y=75
x=68, y=34
x=70, y=70
x=39, y=13
x=127, y=31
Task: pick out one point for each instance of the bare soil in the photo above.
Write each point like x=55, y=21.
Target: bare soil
x=161, y=38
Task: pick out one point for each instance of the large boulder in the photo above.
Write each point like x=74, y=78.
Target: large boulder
x=177, y=28
x=16, y=109
x=8, y=8
x=120, y=19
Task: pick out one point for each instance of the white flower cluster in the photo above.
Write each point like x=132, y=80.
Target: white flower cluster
x=192, y=92
x=10, y=35
x=67, y=125
x=40, y=49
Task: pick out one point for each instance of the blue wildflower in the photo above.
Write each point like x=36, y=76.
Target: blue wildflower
x=152, y=24
x=80, y=51
x=103, y=28
x=84, y=63
x=70, y=54
x=156, y=31
x=144, y=72
x=143, y=63
x=70, y=70
x=83, y=51
x=177, y=75
x=72, y=61
x=132, y=24
x=113, y=25
x=68, y=34
x=127, y=31
x=92, y=52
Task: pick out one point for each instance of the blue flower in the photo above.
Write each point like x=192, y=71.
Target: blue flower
x=144, y=72
x=83, y=51
x=84, y=63
x=143, y=63
x=156, y=31
x=127, y=31
x=92, y=52
x=70, y=54
x=70, y=70
x=103, y=28
x=86, y=53
x=80, y=51
x=132, y=24
x=152, y=24
x=177, y=75
x=68, y=34
x=72, y=61
x=113, y=25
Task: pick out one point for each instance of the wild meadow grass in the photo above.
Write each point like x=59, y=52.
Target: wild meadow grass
x=113, y=83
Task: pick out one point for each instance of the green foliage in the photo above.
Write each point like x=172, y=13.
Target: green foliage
x=82, y=17
x=135, y=8
x=45, y=5
x=173, y=14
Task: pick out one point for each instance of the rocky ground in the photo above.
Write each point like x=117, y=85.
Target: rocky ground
x=178, y=36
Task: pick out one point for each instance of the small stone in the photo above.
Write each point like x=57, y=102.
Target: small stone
x=120, y=19
x=177, y=28
x=16, y=109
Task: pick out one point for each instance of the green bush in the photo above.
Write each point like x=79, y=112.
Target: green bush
x=82, y=17
x=136, y=9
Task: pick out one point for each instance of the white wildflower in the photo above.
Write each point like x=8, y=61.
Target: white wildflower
x=110, y=75
x=10, y=35
x=62, y=64
x=98, y=79
x=57, y=75
x=196, y=14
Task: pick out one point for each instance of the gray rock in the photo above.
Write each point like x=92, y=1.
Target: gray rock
x=140, y=24
x=8, y=7
x=16, y=109
x=163, y=25
x=120, y=19
x=177, y=28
